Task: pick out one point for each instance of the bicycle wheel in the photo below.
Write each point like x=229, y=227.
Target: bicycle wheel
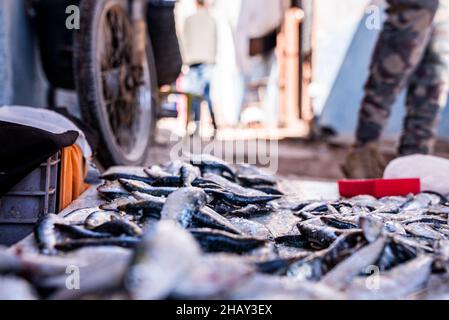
x=117, y=96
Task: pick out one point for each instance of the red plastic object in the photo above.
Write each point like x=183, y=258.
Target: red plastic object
x=379, y=187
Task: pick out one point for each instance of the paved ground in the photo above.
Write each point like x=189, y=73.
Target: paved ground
x=297, y=157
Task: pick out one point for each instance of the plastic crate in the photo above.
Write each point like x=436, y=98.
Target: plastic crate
x=33, y=197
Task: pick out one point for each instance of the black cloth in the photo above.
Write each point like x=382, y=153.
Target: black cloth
x=91, y=135
x=23, y=149
x=264, y=44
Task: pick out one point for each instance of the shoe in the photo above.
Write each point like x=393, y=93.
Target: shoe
x=364, y=162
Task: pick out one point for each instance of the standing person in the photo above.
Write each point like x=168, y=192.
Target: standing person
x=412, y=51
x=200, y=48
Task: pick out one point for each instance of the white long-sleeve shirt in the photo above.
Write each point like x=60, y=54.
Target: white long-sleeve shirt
x=200, y=38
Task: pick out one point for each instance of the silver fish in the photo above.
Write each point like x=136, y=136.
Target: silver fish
x=105, y=275
x=262, y=287
x=212, y=276
x=423, y=230
x=46, y=235
x=251, y=228
x=111, y=190
x=188, y=174
x=341, y=275
x=208, y=162
x=12, y=288
x=98, y=218
x=149, y=207
x=208, y=218
x=182, y=204
x=165, y=256
x=143, y=187
x=397, y=283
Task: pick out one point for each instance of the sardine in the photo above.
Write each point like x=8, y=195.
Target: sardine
x=251, y=211
x=9, y=263
x=120, y=228
x=397, y=283
x=248, y=169
x=188, y=174
x=443, y=200
x=147, y=208
x=304, y=215
x=12, y=288
x=222, y=207
x=316, y=207
x=423, y=230
x=166, y=254
x=78, y=216
x=242, y=200
x=181, y=205
x=169, y=181
x=75, y=232
x=103, y=276
x=156, y=172
x=315, y=266
x=207, y=162
x=421, y=201
x=337, y=223
x=256, y=180
x=212, y=276
x=394, y=228
x=279, y=266
x=366, y=201
x=100, y=217
x=372, y=227
x=117, y=176
x=46, y=235
x=252, y=172
x=268, y=287
x=146, y=188
x=208, y=218
x=111, y=190
x=340, y=276
x=124, y=242
x=428, y=220
x=221, y=241
x=251, y=228
x=176, y=182
x=296, y=241
x=268, y=190
x=116, y=203
x=230, y=186
x=319, y=236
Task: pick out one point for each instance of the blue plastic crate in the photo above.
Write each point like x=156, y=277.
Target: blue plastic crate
x=32, y=198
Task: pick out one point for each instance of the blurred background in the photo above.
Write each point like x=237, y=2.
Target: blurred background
x=285, y=70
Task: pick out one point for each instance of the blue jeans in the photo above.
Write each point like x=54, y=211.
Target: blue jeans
x=199, y=82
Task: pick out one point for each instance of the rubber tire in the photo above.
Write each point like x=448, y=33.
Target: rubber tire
x=90, y=100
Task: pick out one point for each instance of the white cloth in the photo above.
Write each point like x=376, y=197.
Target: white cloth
x=433, y=171
x=45, y=120
x=256, y=19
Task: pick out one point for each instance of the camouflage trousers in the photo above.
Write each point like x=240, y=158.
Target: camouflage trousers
x=413, y=52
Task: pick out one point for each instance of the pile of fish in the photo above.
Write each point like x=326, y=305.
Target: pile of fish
x=204, y=229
